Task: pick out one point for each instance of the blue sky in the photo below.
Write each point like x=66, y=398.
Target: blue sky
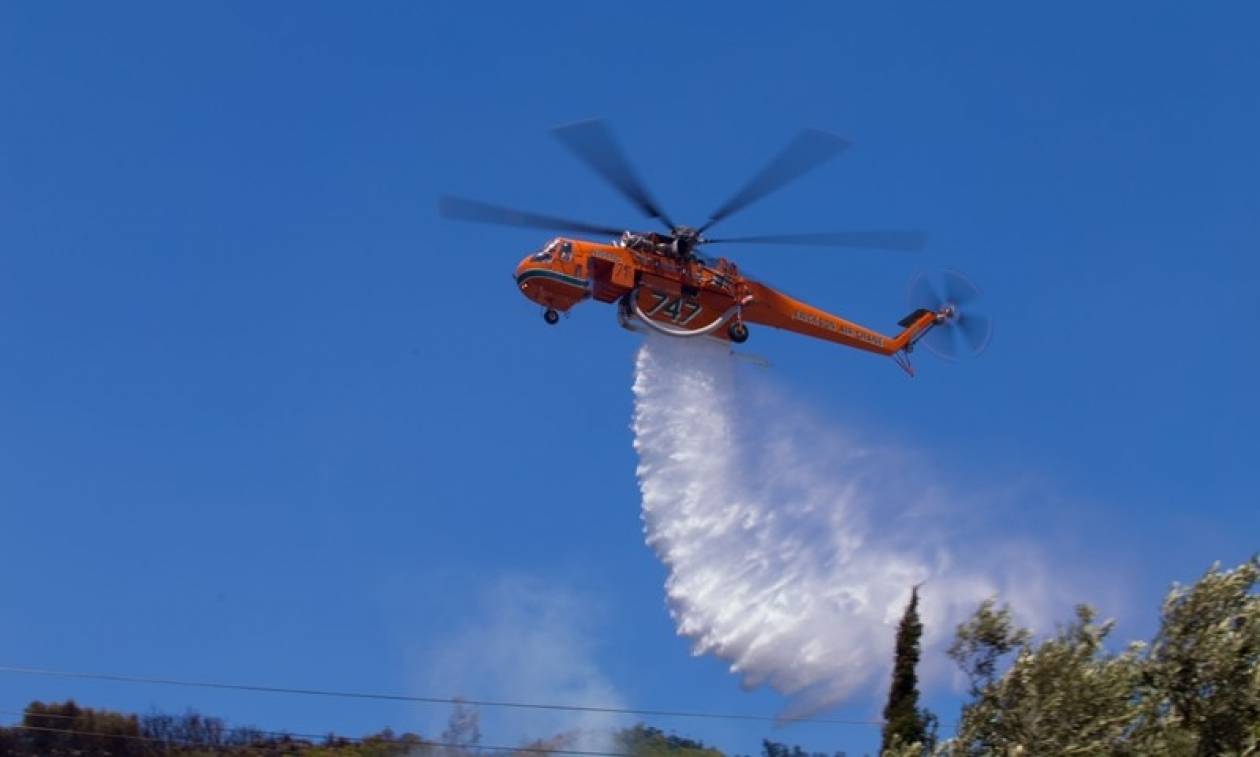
x=264, y=417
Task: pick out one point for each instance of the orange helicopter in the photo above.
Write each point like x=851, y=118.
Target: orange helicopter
x=660, y=282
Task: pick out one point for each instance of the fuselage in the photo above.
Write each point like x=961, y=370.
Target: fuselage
x=684, y=295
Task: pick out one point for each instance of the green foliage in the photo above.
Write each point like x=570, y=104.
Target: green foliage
x=1194, y=691
x=983, y=640
x=1065, y=695
x=65, y=729
x=775, y=749
x=904, y=722
x=645, y=741
x=1201, y=677
x=898, y=748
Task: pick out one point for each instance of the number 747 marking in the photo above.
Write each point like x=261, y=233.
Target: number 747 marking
x=680, y=310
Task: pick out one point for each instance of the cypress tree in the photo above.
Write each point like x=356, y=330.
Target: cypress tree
x=903, y=720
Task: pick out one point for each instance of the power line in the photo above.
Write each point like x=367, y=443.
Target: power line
x=128, y=737
x=422, y=699
x=309, y=737
x=303, y=736
x=144, y=739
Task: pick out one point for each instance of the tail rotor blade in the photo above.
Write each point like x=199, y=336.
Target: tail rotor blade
x=593, y=143
x=958, y=330
x=976, y=329
x=958, y=288
x=923, y=294
x=942, y=340
x=810, y=148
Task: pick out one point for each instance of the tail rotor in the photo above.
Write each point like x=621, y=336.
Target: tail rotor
x=959, y=329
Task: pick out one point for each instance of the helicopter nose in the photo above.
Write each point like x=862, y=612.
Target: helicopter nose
x=525, y=266
x=522, y=276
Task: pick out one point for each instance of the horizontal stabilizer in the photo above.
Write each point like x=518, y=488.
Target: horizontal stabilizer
x=909, y=320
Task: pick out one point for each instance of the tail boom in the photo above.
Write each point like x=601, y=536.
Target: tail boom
x=771, y=307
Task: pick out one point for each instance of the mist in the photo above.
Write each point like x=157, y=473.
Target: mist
x=791, y=546
x=532, y=642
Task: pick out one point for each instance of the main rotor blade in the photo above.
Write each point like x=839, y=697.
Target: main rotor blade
x=461, y=209
x=808, y=150
x=902, y=241
x=593, y=143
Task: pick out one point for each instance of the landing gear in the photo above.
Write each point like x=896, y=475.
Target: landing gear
x=551, y=317
x=738, y=332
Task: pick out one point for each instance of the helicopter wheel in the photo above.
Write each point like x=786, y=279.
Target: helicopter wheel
x=738, y=332
x=551, y=317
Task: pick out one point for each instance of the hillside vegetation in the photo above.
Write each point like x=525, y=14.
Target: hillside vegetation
x=1193, y=689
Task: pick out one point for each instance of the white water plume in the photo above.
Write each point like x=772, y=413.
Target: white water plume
x=791, y=549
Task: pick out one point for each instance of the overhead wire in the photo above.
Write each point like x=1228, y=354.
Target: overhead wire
x=645, y=712
x=312, y=737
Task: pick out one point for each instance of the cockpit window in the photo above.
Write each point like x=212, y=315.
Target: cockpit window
x=543, y=255
x=566, y=251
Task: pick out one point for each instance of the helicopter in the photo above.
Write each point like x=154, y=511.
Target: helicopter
x=659, y=281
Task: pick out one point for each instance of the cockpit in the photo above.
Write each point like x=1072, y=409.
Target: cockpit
x=560, y=247
x=543, y=255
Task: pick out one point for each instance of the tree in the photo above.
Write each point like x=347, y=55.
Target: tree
x=646, y=741
x=1201, y=677
x=463, y=729
x=775, y=749
x=1066, y=695
x=1195, y=690
x=904, y=723
x=66, y=729
x=983, y=640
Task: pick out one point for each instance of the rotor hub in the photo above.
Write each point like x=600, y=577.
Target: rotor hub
x=958, y=328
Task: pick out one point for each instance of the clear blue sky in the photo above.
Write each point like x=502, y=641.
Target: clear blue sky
x=264, y=417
